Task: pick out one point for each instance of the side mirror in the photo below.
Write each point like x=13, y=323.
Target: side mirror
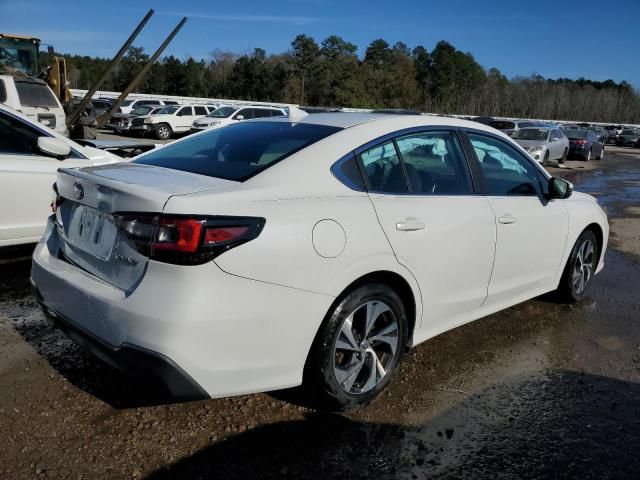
x=240, y=117
x=54, y=147
x=559, y=188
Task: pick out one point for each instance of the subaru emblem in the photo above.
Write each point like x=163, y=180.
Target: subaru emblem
x=78, y=191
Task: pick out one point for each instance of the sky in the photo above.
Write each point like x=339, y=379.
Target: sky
x=562, y=38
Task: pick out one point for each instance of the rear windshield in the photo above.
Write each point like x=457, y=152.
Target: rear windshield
x=531, y=134
x=35, y=95
x=503, y=125
x=238, y=152
x=576, y=133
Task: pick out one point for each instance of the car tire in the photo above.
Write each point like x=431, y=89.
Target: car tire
x=545, y=160
x=601, y=156
x=163, y=131
x=580, y=268
x=352, y=360
x=588, y=157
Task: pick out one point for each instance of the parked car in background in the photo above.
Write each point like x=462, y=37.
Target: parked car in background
x=30, y=156
x=508, y=126
x=584, y=144
x=543, y=144
x=128, y=105
x=188, y=289
x=169, y=121
x=33, y=98
x=227, y=114
x=101, y=105
x=629, y=137
x=612, y=133
x=121, y=122
x=600, y=131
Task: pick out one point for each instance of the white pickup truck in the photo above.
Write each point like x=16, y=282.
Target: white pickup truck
x=170, y=120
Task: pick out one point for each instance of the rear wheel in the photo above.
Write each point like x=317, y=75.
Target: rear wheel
x=580, y=269
x=357, y=348
x=163, y=131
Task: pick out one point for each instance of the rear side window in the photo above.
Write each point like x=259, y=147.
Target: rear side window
x=501, y=125
x=200, y=110
x=239, y=151
x=434, y=163
x=277, y=113
x=383, y=169
x=34, y=94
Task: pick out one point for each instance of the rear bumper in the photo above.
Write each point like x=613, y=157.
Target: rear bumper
x=131, y=359
x=230, y=335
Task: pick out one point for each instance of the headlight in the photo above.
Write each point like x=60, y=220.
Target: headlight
x=148, y=120
x=539, y=148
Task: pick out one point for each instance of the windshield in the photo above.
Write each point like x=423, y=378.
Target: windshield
x=34, y=94
x=167, y=111
x=238, y=152
x=576, y=134
x=531, y=134
x=126, y=103
x=142, y=110
x=223, y=112
x=500, y=125
x=629, y=132
x=19, y=53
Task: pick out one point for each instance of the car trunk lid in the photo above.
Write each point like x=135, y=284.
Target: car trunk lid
x=88, y=231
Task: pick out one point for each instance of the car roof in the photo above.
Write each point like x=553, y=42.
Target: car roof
x=338, y=119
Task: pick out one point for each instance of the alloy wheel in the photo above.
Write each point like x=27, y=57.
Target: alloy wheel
x=583, y=267
x=365, y=347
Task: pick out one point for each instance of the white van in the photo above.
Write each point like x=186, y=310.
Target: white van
x=33, y=98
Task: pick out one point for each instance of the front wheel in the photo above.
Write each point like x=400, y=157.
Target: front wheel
x=545, y=161
x=580, y=269
x=163, y=131
x=563, y=159
x=357, y=349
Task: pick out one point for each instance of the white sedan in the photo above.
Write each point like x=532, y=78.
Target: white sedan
x=30, y=155
x=287, y=251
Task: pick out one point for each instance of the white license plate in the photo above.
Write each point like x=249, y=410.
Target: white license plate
x=92, y=231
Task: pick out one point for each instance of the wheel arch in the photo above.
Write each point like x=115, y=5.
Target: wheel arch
x=599, y=234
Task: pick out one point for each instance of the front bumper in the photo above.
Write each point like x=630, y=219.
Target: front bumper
x=230, y=335
x=145, y=127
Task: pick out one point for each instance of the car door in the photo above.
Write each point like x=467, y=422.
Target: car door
x=555, y=146
x=437, y=226
x=184, y=118
x=531, y=230
x=26, y=177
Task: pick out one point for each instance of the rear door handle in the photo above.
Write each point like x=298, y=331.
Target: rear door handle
x=507, y=219
x=410, y=226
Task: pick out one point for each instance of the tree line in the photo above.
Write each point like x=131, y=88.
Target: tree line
x=332, y=74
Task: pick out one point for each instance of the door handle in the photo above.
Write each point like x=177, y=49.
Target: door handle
x=507, y=219
x=410, y=226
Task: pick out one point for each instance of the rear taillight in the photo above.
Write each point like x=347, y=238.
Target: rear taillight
x=186, y=240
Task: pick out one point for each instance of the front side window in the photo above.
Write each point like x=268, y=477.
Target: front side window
x=3, y=92
x=506, y=171
x=239, y=151
x=277, y=113
x=384, y=170
x=246, y=113
x=17, y=137
x=434, y=163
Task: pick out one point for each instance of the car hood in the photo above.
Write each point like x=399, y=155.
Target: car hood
x=530, y=143
x=100, y=157
x=158, y=117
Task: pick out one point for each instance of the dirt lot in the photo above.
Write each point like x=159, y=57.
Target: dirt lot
x=541, y=390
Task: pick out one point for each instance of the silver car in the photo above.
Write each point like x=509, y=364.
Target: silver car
x=544, y=144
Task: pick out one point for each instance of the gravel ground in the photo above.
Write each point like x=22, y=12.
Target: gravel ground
x=541, y=390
